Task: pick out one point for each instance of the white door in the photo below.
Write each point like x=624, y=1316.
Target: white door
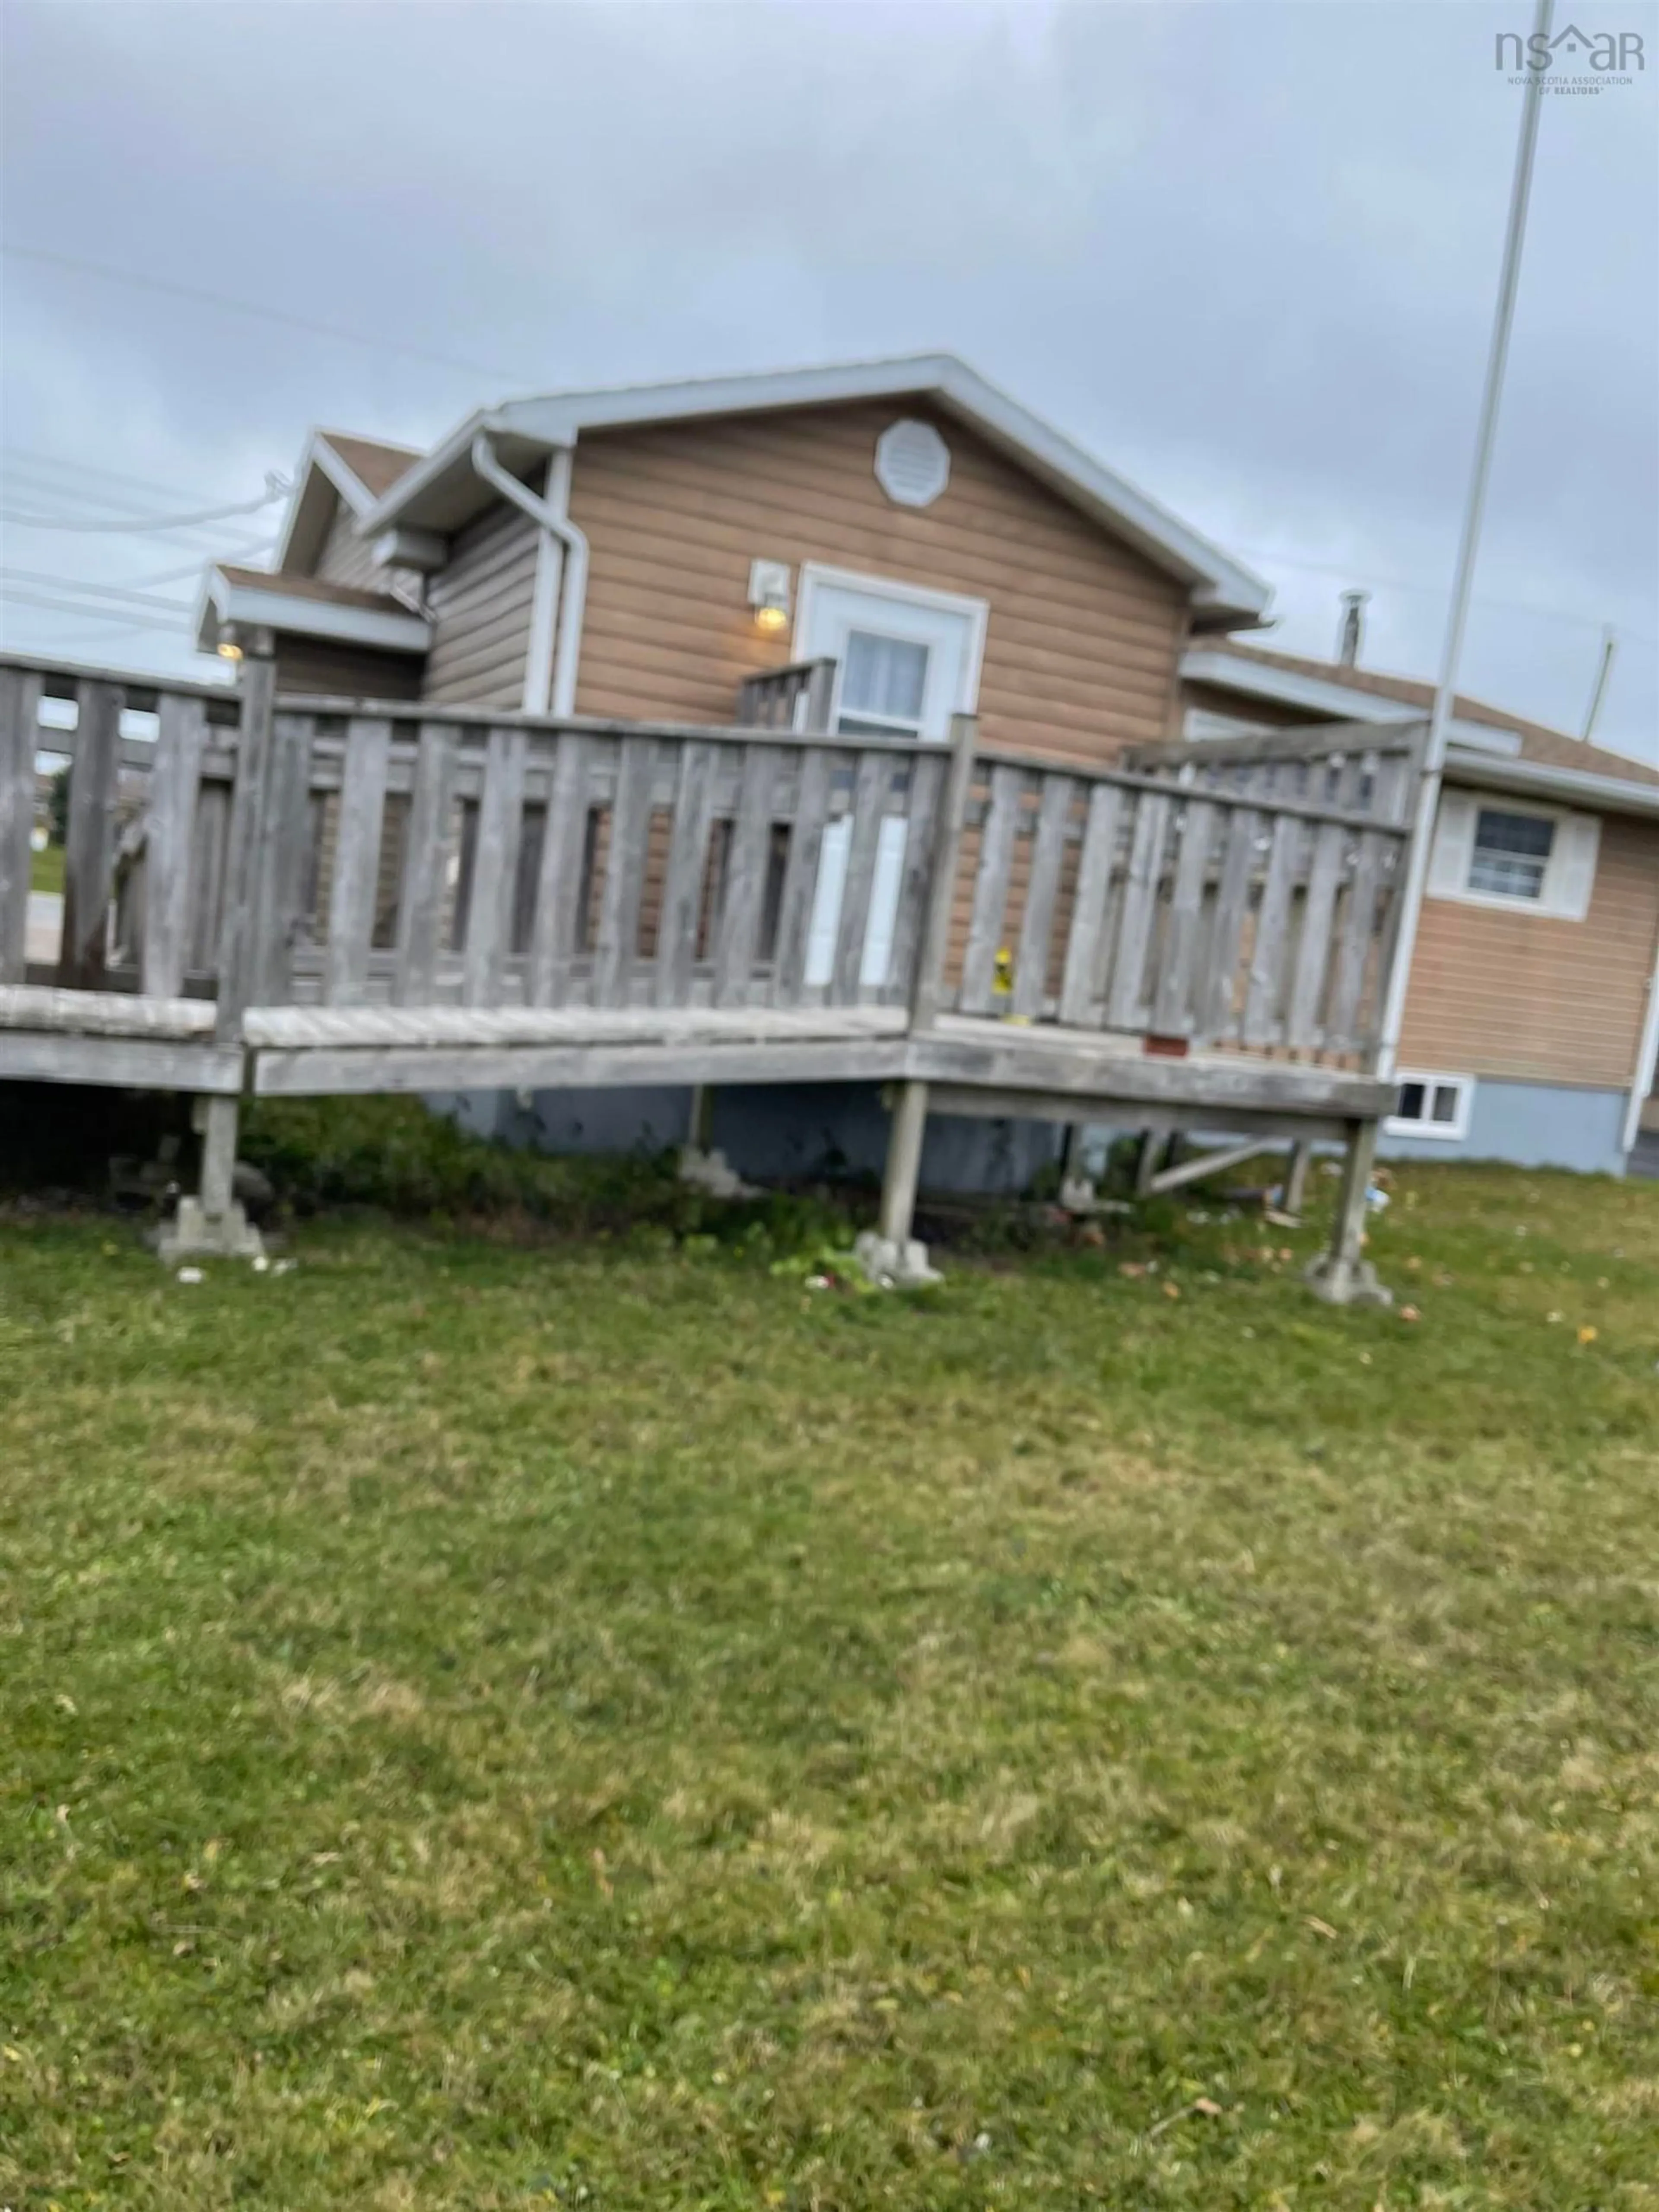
x=905, y=662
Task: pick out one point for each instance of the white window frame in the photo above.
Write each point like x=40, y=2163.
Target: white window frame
x=1569, y=874
x=1439, y=1133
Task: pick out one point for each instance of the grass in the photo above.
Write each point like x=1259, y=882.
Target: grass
x=485, y=1726
x=47, y=869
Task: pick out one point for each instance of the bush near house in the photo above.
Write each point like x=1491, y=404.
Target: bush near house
x=487, y=1727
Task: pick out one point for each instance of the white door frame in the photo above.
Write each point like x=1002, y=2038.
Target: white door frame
x=817, y=575
x=969, y=616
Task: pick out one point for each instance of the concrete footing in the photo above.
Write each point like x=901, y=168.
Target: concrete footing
x=193, y=1233
x=710, y=1171
x=895, y=1264
x=1342, y=1282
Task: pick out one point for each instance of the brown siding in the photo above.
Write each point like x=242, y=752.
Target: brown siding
x=1084, y=634
x=1522, y=996
x=480, y=609
x=345, y=671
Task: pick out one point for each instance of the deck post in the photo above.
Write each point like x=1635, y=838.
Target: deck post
x=1295, y=1175
x=247, y=861
x=212, y=1226
x=933, y=950
x=1341, y=1276
x=700, y=1165
x=903, y=1170
x=890, y=1254
x=1157, y=1150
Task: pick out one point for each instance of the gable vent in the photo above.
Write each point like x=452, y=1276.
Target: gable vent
x=913, y=463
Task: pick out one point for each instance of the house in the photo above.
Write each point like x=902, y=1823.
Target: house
x=1533, y=1006
x=645, y=554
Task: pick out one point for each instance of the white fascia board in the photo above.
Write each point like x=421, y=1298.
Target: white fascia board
x=345, y=480
x=244, y=604
x=561, y=417
x=1484, y=738
x=1226, y=671
x=318, y=458
x=1525, y=779
x=450, y=451
x=206, y=621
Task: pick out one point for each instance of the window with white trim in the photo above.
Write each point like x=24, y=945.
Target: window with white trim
x=1504, y=852
x=1431, y=1106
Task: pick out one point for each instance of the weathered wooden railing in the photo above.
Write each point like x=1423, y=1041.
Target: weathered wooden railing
x=426, y=860
x=1241, y=895
x=1229, y=895
x=797, y=697
x=153, y=765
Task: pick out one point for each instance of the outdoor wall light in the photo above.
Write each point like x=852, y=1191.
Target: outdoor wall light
x=228, y=649
x=768, y=595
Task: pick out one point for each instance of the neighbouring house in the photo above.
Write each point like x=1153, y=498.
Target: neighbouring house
x=640, y=554
x=1533, y=1009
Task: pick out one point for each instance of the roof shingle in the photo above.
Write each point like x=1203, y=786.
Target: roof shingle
x=1539, y=742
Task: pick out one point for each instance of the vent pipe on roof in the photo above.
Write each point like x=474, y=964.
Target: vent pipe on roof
x=1352, y=633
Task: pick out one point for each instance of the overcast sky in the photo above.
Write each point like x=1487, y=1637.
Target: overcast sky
x=1245, y=253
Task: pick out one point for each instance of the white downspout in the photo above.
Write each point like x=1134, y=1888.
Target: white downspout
x=550, y=667
x=1647, y=1064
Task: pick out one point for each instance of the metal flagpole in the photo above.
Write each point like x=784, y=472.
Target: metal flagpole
x=1434, y=757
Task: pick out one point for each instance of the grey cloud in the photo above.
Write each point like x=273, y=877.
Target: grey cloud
x=1245, y=253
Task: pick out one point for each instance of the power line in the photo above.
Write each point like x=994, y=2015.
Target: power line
x=35, y=577
x=32, y=457
x=220, y=300
x=25, y=598
x=276, y=490
x=1436, y=591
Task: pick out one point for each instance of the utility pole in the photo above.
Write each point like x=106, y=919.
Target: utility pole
x=1434, y=757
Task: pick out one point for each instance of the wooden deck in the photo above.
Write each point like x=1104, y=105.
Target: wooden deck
x=302, y=895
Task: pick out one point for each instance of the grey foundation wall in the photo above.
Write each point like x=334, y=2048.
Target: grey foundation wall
x=775, y=1132
x=1530, y=1125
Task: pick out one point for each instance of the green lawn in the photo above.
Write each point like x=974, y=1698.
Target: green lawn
x=47, y=869
x=484, y=1726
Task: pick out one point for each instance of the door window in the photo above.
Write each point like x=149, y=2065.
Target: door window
x=883, y=687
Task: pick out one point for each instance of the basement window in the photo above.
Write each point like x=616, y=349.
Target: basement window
x=1431, y=1106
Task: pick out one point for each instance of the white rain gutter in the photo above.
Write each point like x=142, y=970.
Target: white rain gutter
x=1434, y=756
x=550, y=667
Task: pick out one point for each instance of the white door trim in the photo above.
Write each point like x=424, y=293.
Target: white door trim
x=816, y=575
